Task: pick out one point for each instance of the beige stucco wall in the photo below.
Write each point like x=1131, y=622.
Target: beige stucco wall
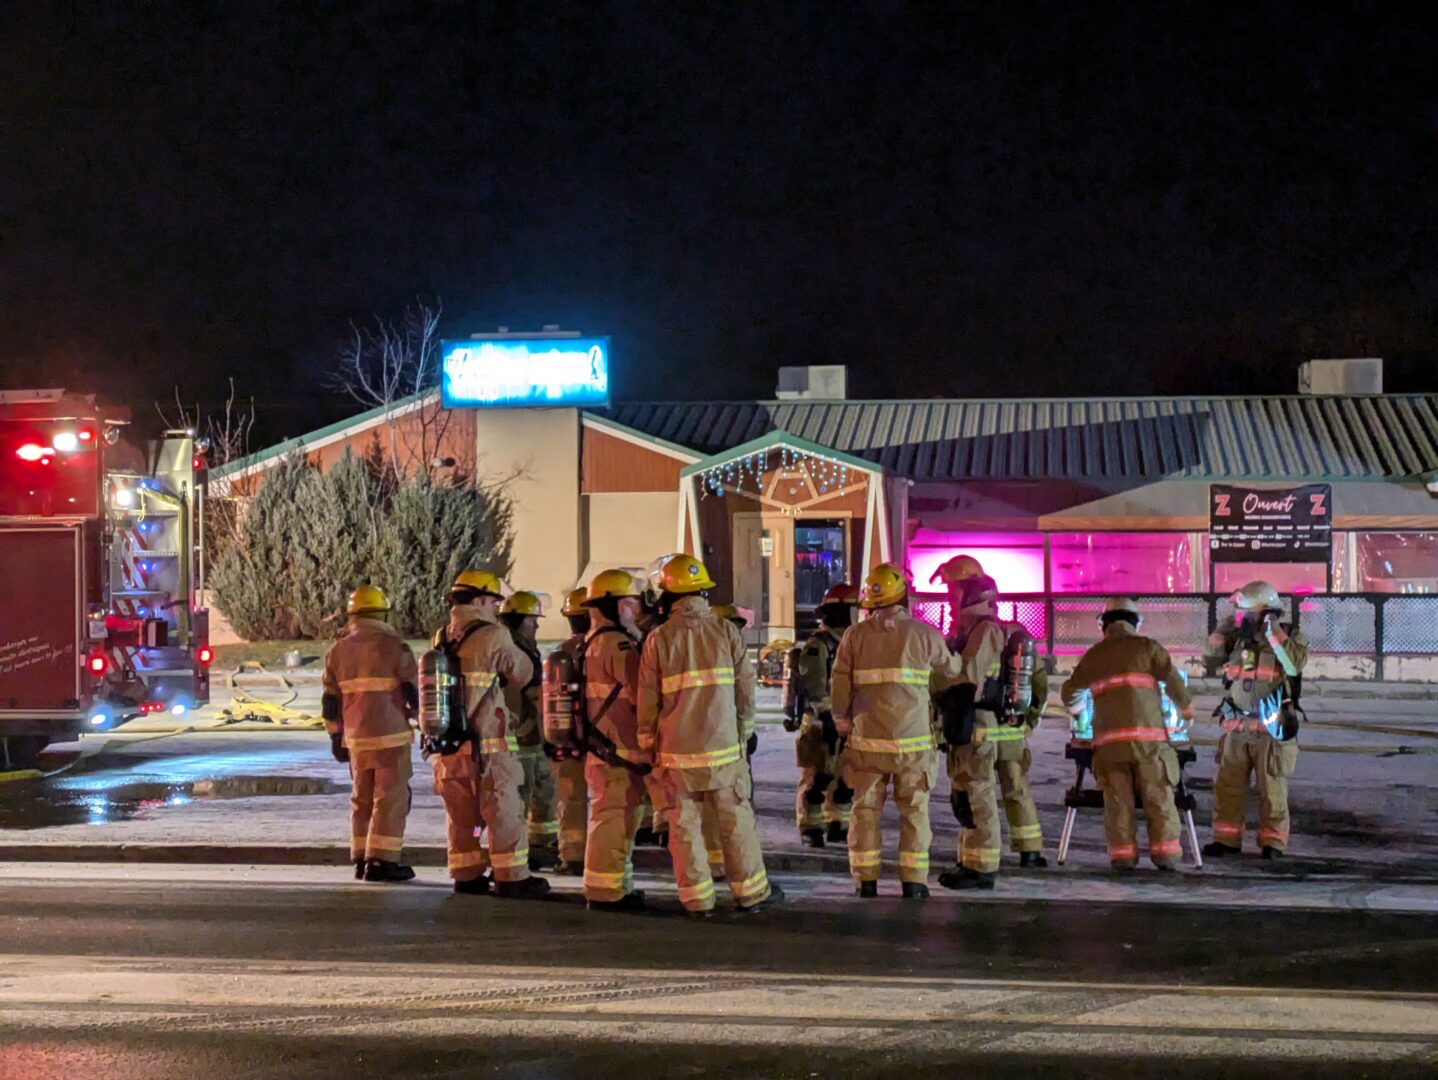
x=541, y=447
x=630, y=528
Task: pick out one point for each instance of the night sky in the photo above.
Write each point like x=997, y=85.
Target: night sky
x=980, y=200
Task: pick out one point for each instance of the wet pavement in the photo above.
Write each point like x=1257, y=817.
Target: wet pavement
x=290, y=972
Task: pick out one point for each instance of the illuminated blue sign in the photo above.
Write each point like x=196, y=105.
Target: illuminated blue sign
x=518, y=372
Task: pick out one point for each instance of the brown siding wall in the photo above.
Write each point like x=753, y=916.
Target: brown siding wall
x=611, y=464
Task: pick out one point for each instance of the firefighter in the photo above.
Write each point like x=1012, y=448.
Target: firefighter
x=1131, y=752
x=613, y=768
x=696, y=711
x=654, y=822
x=978, y=644
x=480, y=784
x=1012, y=757
x=370, y=696
x=885, y=673
x=1262, y=660
x=520, y=613
x=824, y=802
x=573, y=794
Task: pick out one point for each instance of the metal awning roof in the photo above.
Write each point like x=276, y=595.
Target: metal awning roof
x=1379, y=437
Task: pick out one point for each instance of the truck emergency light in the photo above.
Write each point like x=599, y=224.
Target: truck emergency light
x=66, y=442
x=98, y=663
x=30, y=452
x=204, y=654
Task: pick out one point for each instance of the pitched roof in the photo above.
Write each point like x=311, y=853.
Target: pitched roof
x=1379, y=437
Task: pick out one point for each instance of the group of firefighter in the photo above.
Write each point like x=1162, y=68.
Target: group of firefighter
x=639, y=729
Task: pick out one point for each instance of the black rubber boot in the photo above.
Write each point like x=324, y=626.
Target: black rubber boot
x=1165, y=864
x=868, y=889
x=962, y=878
x=661, y=839
x=384, y=870
x=1215, y=850
x=473, y=887
x=838, y=832
x=700, y=916
x=915, y=890
x=774, y=899
x=1272, y=853
x=531, y=888
x=543, y=858
x=813, y=838
x=644, y=837
x=633, y=902
x=569, y=867
x=359, y=869
x=1032, y=860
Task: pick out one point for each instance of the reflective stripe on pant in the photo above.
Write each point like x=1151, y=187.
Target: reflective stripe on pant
x=912, y=782
x=738, y=837
x=971, y=770
x=615, y=795
x=379, y=802
x=456, y=782
x=540, y=798
x=1272, y=763
x=499, y=786
x=1149, y=771
x=573, y=789
x=1012, y=772
x=815, y=815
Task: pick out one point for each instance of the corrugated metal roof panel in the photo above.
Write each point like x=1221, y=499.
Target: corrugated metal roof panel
x=1379, y=437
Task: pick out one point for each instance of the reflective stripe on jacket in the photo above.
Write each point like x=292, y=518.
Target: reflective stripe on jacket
x=696, y=693
x=367, y=669
x=1123, y=672
x=886, y=671
x=612, y=659
x=1255, y=676
x=486, y=655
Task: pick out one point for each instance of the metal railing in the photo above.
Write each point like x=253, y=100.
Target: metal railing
x=1371, y=628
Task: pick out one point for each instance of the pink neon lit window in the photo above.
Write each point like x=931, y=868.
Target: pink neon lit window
x=1014, y=560
x=1124, y=563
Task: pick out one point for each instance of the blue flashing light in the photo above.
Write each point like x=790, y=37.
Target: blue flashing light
x=178, y=709
x=520, y=372
x=99, y=718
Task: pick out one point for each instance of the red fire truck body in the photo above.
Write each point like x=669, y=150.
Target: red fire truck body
x=101, y=571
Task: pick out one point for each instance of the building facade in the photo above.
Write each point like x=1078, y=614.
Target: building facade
x=1064, y=501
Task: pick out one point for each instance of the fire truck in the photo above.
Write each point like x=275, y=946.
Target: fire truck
x=101, y=572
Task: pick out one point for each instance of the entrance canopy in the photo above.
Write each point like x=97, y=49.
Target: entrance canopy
x=790, y=476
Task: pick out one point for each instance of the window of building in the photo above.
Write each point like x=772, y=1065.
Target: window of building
x=1397, y=562
x=1126, y=563
x=1014, y=560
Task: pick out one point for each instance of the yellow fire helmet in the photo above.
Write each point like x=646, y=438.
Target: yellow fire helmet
x=480, y=581
x=574, y=601
x=1258, y=596
x=521, y=603
x=959, y=568
x=1120, y=605
x=367, y=600
x=684, y=575
x=611, y=583
x=884, y=587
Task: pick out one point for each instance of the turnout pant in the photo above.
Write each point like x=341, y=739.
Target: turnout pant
x=1147, y=770
x=457, y=783
x=500, y=780
x=1272, y=763
x=573, y=789
x=379, y=802
x=615, y=798
x=738, y=838
x=971, y=771
x=823, y=797
x=912, y=779
x=539, y=797
x=1011, y=769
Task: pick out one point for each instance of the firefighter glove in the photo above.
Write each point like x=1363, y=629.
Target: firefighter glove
x=338, y=749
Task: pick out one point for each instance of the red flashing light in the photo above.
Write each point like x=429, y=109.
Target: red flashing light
x=147, y=707
x=87, y=434
x=204, y=654
x=98, y=664
x=30, y=452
